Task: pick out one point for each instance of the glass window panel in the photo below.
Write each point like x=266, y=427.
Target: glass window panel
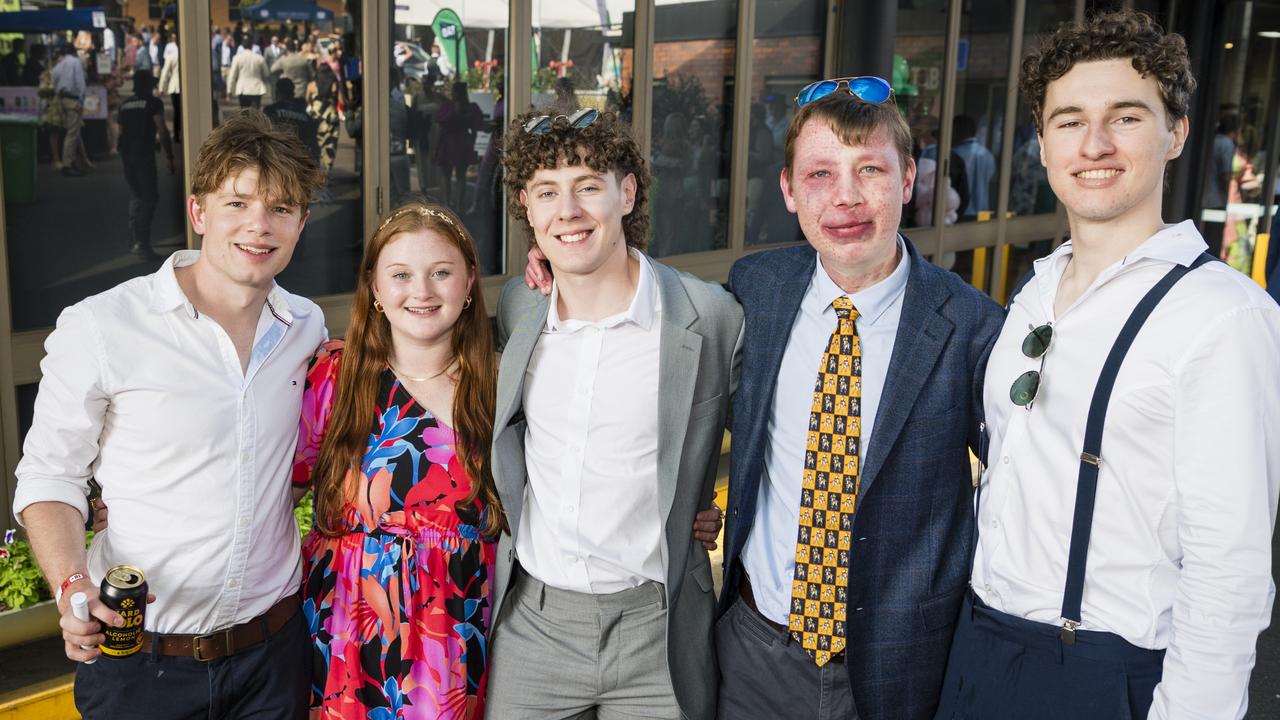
x=448, y=112
x=1240, y=156
x=1029, y=191
x=919, y=56
x=787, y=53
x=322, y=62
x=579, y=58
x=693, y=64
x=63, y=165
x=982, y=77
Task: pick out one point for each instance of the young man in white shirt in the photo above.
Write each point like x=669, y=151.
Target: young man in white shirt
x=612, y=398
x=179, y=392
x=1121, y=571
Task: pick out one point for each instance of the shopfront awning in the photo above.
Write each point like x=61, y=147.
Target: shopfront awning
x=296, y=10
x=37, y=21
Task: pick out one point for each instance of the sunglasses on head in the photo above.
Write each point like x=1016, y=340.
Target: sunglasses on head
x=868, y=88
x=542, y=124
x=1035, y=345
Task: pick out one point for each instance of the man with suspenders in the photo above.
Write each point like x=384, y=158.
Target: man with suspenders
x=1121, y=571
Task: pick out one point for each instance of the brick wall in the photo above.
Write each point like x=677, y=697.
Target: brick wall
x=711, y=61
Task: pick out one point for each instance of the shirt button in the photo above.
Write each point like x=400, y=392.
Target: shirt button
x=568, y=508
x=1006, y=459
x=245, y=458
x=987, y=587
x=244, y=522
x=995, y=523
x=231, y=583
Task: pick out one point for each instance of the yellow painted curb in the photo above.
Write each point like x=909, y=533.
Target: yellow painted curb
x=49, y=700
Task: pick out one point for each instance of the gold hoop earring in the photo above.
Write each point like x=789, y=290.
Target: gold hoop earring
x=377, y=306
x=466, y=303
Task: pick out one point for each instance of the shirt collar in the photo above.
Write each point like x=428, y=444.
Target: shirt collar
x=1179, y=244
x=871, y=302
x=167, y=295
x=645, y=304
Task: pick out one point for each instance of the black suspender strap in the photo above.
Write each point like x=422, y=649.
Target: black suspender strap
x=1091, y=456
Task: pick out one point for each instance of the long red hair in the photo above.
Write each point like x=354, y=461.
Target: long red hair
x=368, y=345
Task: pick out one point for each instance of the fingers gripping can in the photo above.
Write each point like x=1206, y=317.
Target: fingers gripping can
x=124, y=589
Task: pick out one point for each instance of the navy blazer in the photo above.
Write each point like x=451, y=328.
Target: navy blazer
x=914, y=514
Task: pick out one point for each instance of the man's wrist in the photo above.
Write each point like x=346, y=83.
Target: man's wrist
x=66, y=584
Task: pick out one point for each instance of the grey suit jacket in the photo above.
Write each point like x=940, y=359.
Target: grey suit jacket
x=698, y=369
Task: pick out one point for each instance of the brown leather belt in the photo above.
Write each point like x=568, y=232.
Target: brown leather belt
x=748, y=597
x=225, y=643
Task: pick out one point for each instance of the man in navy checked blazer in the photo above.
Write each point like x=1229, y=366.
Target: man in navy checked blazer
x=924, y=336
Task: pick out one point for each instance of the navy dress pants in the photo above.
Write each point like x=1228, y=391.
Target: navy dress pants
x=1007, y=668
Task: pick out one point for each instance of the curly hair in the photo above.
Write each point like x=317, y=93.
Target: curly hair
x=605, y=145
x=1122, y=35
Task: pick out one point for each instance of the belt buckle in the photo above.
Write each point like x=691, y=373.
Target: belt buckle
x=195, y=644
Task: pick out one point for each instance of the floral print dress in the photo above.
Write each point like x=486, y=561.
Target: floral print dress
x=398, y=605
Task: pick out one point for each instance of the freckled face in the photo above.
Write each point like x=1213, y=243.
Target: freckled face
x=848, y=198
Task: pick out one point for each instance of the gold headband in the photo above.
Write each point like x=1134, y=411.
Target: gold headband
x=422, y=210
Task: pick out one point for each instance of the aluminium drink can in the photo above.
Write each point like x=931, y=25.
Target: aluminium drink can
x=124, y=589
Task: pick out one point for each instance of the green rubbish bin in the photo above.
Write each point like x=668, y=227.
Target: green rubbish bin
x=18, y=149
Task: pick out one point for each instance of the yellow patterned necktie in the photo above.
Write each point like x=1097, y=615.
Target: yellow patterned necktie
x=820, y=588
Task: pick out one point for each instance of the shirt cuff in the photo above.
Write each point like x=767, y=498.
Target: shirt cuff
x=33, y=490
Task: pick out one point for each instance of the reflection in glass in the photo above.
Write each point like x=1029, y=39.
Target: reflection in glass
x=918, y=59
x=448, y=112
x=786, y=55
x=68, y=159
x=693, y=64
x=981, y=83
x=1234, y=206
x=579, y=58
x=308, y=78
x=1029, y=191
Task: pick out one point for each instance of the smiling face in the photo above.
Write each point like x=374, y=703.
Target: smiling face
x=576, y=215
x=422, y=281
x=848, y=199
x=1106, y=141
x=247, y=238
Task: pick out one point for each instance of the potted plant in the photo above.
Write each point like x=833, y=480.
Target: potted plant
x=27, y=610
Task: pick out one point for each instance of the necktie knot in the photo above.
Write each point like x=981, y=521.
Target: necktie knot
x=844, y=308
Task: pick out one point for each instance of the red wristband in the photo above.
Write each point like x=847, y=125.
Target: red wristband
x=71, y=579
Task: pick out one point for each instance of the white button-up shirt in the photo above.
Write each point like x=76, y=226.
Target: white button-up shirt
x=146, y=395
x=590, y=521
x=1180, y=555
x=770, y=554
